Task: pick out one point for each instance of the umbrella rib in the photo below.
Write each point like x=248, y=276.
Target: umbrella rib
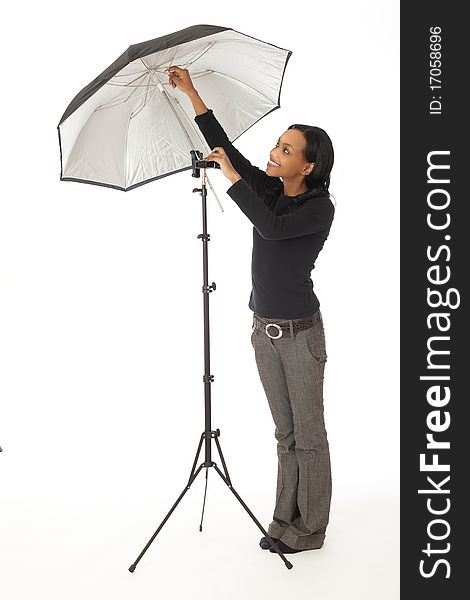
x=145, y=65
x=131, y=116
x=131, y=86
x=129, y=82
x=201, y=74
x=201, y=53
x=133, y=92
x=146, y=101
x=190, y=61
x=170, y=62
x=172, y=59
x=241, y=82
x=127, y=74
x=118, y=102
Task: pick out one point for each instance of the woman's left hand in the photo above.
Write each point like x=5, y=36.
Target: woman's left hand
x=218, y=155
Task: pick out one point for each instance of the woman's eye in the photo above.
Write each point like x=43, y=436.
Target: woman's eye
x=285, y=149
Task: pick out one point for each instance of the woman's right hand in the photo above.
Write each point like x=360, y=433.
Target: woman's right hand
x=181, y=79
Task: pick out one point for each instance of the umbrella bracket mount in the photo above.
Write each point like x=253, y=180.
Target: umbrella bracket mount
x=197, y=164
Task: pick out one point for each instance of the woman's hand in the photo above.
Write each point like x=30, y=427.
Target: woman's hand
x=218, y=155
x=181, y=79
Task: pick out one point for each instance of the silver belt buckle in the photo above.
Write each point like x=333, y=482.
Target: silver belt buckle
x=273, y=337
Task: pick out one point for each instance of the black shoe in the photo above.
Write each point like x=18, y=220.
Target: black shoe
x=266, y=544
x=287, y=549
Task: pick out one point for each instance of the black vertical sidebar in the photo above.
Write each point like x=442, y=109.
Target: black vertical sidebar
x=434, y=257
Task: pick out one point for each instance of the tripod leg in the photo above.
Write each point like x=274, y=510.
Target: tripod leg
x=192, y=477
x=227, y=481
x=204, y=501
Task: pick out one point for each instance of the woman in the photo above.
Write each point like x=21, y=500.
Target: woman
x=291, y=211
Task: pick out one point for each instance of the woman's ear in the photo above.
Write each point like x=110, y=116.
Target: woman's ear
x=308, y=169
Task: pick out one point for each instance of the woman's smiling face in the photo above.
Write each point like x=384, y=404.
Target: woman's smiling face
x=287, y=157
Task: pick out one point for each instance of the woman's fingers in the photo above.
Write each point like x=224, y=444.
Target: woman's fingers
x=219, y=156
x=178, y=72
x=180, y=78
x=175, y=68
x=173, y=75
x=217, y=153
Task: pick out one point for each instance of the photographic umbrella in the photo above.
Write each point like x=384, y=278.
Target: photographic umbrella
x=129, y=126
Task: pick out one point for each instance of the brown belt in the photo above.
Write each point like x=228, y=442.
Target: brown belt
x=277, y=330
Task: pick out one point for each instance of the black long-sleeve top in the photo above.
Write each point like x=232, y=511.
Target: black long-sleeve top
x=288, y=232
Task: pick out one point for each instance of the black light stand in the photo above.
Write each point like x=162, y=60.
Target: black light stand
x=208, y=435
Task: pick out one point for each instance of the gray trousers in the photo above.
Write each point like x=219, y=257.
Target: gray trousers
x=291, y=370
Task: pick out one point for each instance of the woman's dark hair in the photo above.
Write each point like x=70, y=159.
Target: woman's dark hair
x=319, y=150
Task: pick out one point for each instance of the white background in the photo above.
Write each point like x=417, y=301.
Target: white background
x=101, y=340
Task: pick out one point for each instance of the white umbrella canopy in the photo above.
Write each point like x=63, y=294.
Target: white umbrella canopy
x=129, y=126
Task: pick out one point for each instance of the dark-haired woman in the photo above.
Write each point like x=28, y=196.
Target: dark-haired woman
x=291, y=211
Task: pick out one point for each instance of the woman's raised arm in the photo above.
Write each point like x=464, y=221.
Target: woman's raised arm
x=214, y=133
